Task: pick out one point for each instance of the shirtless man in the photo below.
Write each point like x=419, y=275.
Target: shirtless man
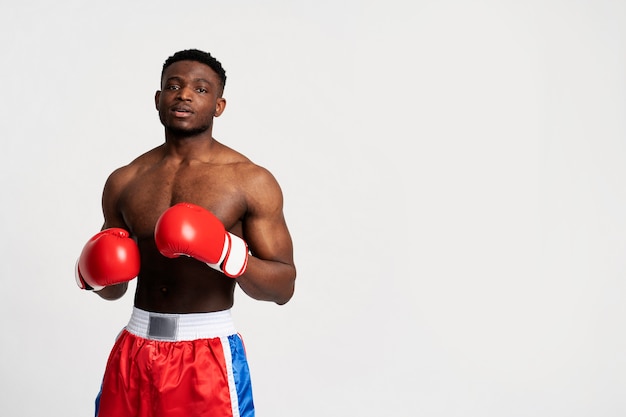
x=180, y=354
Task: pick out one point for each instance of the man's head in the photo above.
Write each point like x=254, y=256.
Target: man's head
x=197, y=56
x=192, y=84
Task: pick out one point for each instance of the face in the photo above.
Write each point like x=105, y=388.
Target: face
x=189, y=98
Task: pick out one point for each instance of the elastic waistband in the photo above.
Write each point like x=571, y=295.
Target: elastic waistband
x=178, y=327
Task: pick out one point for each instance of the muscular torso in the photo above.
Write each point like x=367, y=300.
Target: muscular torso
x=154, y=183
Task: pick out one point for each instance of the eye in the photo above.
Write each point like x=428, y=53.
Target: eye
x=172, y=87
x=201, y=90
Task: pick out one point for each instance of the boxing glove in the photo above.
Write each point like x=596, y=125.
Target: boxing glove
x=110, y=257
x=190, y=230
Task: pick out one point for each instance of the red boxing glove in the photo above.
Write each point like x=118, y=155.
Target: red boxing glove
x=110, y=257
x=188, y=229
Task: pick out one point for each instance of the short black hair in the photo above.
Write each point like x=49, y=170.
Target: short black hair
x=198, y=56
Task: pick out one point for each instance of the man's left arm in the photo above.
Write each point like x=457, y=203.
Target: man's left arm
x=271, y=272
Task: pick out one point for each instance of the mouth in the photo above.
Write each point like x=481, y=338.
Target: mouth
x=181, y=111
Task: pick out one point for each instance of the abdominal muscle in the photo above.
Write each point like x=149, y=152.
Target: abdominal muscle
x=181, y=285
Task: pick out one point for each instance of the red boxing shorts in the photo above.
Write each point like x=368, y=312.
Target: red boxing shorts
x=177, y=365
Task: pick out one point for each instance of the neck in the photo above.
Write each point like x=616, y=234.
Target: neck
x=174, y=134
x=190, y=147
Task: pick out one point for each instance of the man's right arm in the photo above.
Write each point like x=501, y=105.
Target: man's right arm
x=114, y=283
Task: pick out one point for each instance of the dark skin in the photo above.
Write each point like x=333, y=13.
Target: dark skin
x=191, y=166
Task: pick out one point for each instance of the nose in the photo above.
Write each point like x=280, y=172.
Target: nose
x=184, y=93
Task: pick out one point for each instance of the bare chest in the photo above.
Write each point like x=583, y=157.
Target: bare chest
x=153, y=191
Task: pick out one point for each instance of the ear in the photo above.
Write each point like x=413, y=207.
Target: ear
x=156, y=99
x=220, y=105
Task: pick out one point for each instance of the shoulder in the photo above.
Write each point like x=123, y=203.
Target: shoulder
x=249, y=173
x=123, y=175
x=259, y=178
x=119, y=179
x=258, y=184
x=261, y=189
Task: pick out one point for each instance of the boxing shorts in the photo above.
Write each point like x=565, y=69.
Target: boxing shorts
x=177, y=365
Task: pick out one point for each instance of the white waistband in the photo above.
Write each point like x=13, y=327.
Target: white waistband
x=177, y=327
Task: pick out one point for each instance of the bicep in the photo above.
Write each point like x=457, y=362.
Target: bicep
x=110, y=199
x=264, y=226
x=268, y=238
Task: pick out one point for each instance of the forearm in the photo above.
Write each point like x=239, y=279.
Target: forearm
x=113, y=292
x=268, y=280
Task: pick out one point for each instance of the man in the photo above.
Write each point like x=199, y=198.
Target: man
x=191, y=218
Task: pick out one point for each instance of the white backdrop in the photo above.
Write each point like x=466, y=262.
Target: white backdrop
x=454, y=182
